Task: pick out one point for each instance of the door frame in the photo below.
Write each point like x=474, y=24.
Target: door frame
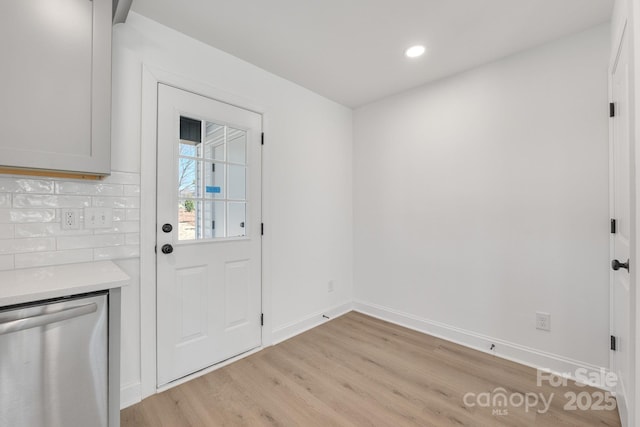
x=627, y=411
x=151, y=78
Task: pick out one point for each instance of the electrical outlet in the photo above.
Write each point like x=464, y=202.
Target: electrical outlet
x=330, y=286
x=98, y=217
x=543, y=321
x=70, y=219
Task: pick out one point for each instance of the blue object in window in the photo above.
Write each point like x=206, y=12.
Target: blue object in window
x=213, y=189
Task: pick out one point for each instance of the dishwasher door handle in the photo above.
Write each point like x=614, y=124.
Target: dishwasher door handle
x=47, y=318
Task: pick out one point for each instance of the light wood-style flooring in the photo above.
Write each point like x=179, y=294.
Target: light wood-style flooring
x=359, y=371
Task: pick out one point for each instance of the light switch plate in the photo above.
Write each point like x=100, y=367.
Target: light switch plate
x=98, y=217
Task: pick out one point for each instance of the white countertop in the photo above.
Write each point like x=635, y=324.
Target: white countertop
x=34, y=284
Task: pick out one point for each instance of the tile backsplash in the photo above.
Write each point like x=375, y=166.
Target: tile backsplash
x=31, y=231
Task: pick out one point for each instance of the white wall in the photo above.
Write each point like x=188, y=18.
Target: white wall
x=307, y=175
x=483, y=198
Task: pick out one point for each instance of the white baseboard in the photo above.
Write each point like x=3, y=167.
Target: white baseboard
x=294, y=328
x=537, y=359
x=130, y=395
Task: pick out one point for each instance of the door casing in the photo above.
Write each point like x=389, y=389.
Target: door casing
x=151, y=77
x=626, y=410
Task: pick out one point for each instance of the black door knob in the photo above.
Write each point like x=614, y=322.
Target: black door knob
x=167, y=249
x=617, y=265
x=167, y=228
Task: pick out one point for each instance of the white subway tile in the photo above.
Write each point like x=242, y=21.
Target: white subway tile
x=5, y=215
x=119, y=214
x=6, y=231
x=132, y=190
x=26, y=245
x=122, y=178
x=20, y=185
x=120, y=227
x=6, y=262
x=44, y=230
x=117, y=252
x=116, y=202
x=30, y=228
x=40, y=201
x=27, y=215
x=5, y=200
x=80, y=242
x=132, y=239
x=91, y=189
x=133, y=215
x=53, y=258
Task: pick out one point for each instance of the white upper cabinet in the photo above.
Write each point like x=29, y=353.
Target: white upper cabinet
x=55, y=85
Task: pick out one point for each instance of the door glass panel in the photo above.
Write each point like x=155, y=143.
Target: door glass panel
x=213, y=220
x=214, y=141
x=237, y=146
x=187, y=178
x=190, y=136
x=237, y=217
x=187, y=219
x=212, y=175
x=237, y=182
x=188, y=149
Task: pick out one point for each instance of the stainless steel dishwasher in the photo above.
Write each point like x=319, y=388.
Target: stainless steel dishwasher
x=54, y=363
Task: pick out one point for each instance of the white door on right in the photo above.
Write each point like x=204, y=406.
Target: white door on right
x=620, y=239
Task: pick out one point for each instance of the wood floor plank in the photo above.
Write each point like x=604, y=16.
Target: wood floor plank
x=360, y=371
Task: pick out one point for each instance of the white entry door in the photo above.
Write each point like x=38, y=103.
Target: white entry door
x=208, y=232
x=620, y=238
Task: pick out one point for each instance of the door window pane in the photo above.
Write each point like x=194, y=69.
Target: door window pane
x=187, y=178
x=189, y=149
x=214, y=142
x=213, y=220
x=212, y=179
x=190, y=136
x=237, y=218
x=237, y=146
x=187, y=219
x=237, y=182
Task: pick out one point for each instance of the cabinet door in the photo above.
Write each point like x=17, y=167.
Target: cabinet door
x=55, y=85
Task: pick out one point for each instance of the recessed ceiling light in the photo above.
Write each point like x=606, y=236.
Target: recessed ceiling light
x=415, y=51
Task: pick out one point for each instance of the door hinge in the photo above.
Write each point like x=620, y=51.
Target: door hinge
x=262, y=139
x=613, y=343
x=261, y=319
x=213, y=167
x=612, y=109
x=613, y=226
x=155, y=249
x=213, y=225
x=262, y=228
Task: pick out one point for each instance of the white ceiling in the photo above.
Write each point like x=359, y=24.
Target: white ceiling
x=352, y=51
